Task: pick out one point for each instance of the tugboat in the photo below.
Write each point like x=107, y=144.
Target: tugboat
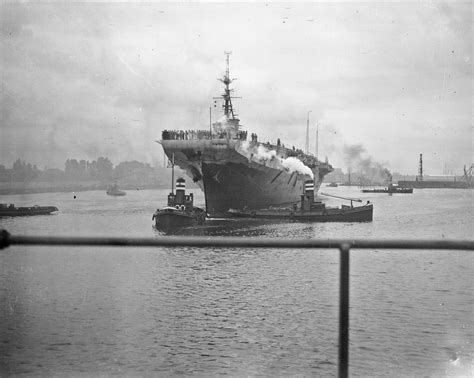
x=180, y=211
x=312, y=211
x=12, y=211
x=390, y=189
x=114, y=191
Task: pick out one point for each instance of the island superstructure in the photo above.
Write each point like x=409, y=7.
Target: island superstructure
x=234, y=169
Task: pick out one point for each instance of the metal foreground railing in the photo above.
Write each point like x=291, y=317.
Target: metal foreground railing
x=6, y=240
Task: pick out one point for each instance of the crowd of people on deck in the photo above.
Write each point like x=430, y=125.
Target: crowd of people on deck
x=295, y=152
x=185, y=134
x=201, y=134
x=240, y=135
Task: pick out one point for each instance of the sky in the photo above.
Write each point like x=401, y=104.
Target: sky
x=390, y=79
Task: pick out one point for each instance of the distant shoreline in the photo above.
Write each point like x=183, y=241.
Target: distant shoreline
x=8, y=188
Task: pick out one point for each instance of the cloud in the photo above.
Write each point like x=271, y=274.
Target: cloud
x=84, y=80
x=13, y=18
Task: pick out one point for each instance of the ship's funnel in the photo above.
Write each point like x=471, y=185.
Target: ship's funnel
x=309, y=190
x=180, y=190
x=307, y=198
x=309, y=186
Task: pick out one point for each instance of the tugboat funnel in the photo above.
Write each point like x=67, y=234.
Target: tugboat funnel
x=307, y=198
x=180, y=190
x=309, y=190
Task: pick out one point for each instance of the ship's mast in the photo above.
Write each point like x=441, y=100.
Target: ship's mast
x=317, y=140
x=226, y=80
x=227, y=99
x=171, y=162
x=420, y=169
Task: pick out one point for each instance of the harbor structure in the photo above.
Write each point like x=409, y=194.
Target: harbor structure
x=423, y=182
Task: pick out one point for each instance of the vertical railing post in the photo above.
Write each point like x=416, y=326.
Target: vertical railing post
x=344, y=311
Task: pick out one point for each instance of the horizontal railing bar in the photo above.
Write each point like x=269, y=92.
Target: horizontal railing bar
x=6, y=239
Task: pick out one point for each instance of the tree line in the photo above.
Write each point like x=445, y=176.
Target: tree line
x=76, y=170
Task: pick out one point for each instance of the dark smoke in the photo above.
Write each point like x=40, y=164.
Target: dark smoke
x=364, y=170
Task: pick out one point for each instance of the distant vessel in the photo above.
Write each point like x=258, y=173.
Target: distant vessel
x=114, y=191
x=332, y=185
x=390, y=189
x=12, y=211
x=234, y=171
x=311, y=211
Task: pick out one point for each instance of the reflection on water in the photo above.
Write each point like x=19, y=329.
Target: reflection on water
x=235, y=311
x=226, y=227
x=239, y=227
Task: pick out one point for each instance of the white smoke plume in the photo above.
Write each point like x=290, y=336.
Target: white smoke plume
x=270, y=158
x=263, y=153
x=244, y=146
x=295, y=165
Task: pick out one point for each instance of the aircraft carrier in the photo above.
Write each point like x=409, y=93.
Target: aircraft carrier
x=237, y=171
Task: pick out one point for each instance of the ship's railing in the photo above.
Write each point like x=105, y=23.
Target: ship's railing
x=344, y=246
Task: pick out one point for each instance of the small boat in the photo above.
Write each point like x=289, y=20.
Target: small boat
x=390, y=189
x=180, y=210
x=115, y=191
x=332, y=185
x=311, y=211
x=12, y=211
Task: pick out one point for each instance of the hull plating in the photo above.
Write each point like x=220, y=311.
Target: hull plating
x=231, y=177
x=26, y=211
x=239, y=185
x=356, y=214
x=166, y=221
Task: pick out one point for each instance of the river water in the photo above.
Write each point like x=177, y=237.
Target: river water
x=238, y=312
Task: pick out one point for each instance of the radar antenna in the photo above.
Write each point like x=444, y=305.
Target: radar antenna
x=226, y=80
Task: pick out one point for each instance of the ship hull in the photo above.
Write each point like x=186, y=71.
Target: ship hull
x=239, y=186
x=170, y=221
x=390, y=191
x=344, y=214
x=116, y=194
x=230, y=178
x=27, y=211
